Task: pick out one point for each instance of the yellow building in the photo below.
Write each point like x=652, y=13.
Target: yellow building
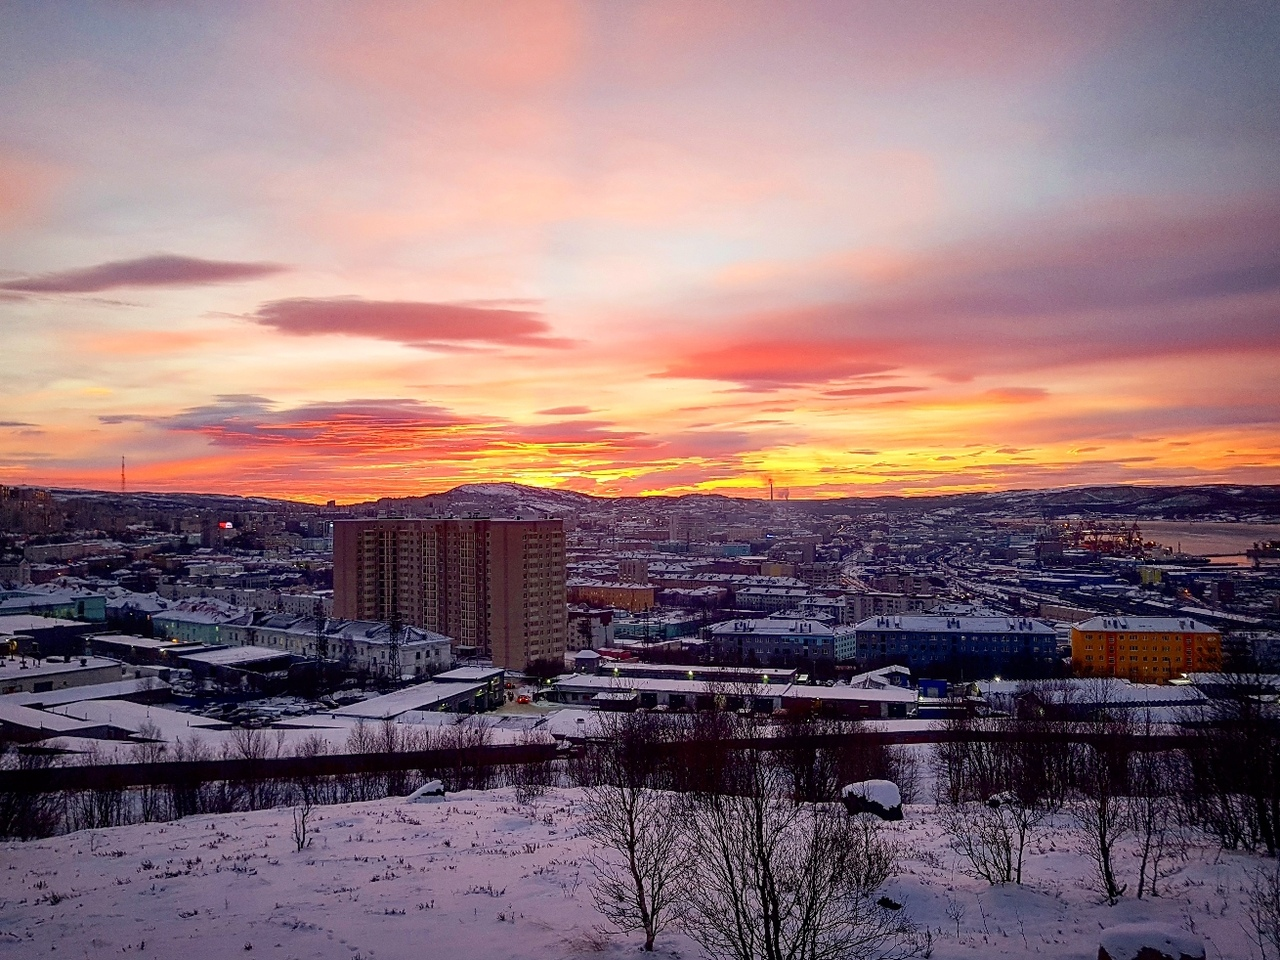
x=633, y=597
x=1144, y=649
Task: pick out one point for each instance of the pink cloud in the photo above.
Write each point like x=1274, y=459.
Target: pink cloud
x=572, y=411
x=1124, y=282
x=161, y=270
x=414, y=323
x=246, y=420
x=870, y=391
x=578, y=433
x=776, y=363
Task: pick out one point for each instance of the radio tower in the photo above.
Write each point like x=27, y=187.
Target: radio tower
x=122, y=474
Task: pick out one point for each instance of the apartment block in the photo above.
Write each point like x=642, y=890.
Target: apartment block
x=1144, y=649
x=494, y=585
x=971, y=646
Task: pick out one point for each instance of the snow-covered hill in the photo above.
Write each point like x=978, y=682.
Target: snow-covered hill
x=521, y=498
x=482, y=876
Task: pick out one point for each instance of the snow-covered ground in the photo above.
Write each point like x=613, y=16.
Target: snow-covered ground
x=479, y=875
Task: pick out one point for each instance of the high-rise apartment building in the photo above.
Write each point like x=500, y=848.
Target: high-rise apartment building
x=496, y=585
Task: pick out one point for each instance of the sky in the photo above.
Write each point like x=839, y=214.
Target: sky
x=348, y=250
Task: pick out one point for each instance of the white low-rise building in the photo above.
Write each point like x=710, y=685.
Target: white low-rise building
x=363, y=644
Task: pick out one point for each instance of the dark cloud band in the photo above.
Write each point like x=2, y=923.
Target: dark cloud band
x=162, y=270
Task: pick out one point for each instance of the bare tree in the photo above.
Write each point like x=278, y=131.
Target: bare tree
x=1236, y=763
x=363, y=739
x=968, y=767
x=25, y=814
x=993, y=836
x=1155, y=812
x=704, y=760
x=190, y=796
x=531, y=779
x=641, y=859
x=247, y=743
x=770, y=878
x=470, y=770
x=1264, y=909
x=96, y=806
x=302, y=817
x=1102, y=816
x=392, y=738
x=149, y=748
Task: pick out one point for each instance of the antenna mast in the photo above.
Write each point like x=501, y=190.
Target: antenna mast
x=122, y=474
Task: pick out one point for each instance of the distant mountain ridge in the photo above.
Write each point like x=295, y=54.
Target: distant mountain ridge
x=1259, y=503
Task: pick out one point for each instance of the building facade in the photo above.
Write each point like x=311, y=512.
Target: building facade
x=974, y=646
x=362, y=645
x=495, y=586
x=632, y=597
x=780, y=642
x=1144, y=649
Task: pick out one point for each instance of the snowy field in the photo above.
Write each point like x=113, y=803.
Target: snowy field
x=480, y=876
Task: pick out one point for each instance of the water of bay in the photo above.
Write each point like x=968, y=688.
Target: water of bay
x=1205, y=538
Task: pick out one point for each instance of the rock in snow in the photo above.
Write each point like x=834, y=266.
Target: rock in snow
x=1147, y=941
x=880, y=797
x=430, y=791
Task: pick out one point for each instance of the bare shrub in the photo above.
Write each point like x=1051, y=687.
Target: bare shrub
x=301, y=819
x=470, y=770
x=993, y=836
x=1155, y=812
x=191, y=796
x=256, y=792
x=1263, y=894
x=771, y=878
x=150, y=748
x=364, y=785
x=395, y=738
x=1235, y=765
x=857, y=758
x=319, y=789
x=24, y=814
x=532, y=779
x=1031, y=756
x=704, y=759
x=95, y=807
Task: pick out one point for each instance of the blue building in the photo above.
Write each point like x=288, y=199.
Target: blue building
x=969, y=647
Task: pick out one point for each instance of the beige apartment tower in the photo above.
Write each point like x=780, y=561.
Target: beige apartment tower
x=496, y=585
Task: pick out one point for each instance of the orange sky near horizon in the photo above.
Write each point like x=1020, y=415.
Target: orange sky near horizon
x=335, y=251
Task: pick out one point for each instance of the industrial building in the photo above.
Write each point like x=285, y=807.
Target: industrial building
x=23, y=675
x=883, y=693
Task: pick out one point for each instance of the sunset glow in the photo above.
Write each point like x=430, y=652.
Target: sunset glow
x=358, y=250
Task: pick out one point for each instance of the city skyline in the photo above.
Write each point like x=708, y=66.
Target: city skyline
x=342, y=251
